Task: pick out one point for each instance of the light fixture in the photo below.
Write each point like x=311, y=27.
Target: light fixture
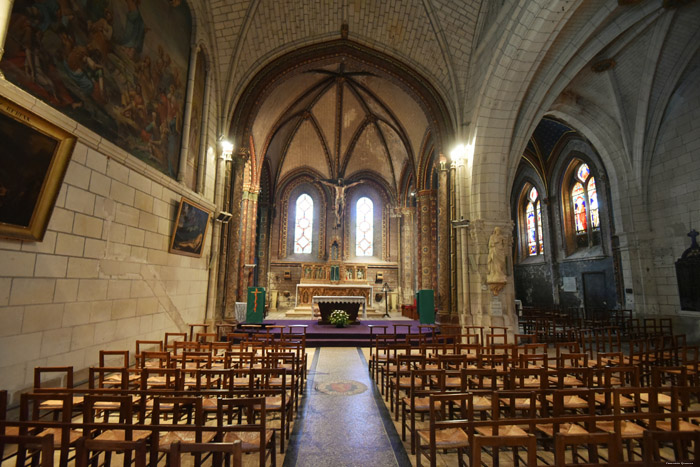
x=462, y=152
x=223, y=217
x=460, y=223
x=226, y=150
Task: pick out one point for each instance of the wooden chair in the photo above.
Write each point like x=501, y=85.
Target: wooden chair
x=206, y=337
x=250, y=430
x=423, y=384
x=117, y=359
x=231, y=452
x=136, y=450
x=60, y=377
x=510, y=405
x=171, y=337
x=450, y=416
x=37, y=448
x=64, y=438
x=680, y=440
x=154, y=359
x=569, y=402
x=5, y=430
x=179, y=408
x=124, y=408
x=271, y=383
x=630, y=429
x=400, y=379
x=204, y=327
x=592, y=441
x=528, y=441
x=146, y=345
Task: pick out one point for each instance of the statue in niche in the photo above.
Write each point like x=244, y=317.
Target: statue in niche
x=334, y=251
x=499, y=245
x=339, y=188
x=348, y=274
x=360, y=274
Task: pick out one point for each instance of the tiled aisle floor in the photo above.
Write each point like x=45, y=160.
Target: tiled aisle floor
x=341, y=423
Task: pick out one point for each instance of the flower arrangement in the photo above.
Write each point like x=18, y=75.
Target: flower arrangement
x=340, y=318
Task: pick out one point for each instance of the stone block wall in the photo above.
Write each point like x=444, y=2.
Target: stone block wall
x=674, y=191
x=102, y=277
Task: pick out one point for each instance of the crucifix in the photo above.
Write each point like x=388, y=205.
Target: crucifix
x=339, y=188
x=255, y=294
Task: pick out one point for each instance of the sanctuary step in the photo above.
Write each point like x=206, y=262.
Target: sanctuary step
x=355, y=335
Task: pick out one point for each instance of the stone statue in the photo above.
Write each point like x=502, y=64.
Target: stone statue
x=339, y=191
x=499, y=245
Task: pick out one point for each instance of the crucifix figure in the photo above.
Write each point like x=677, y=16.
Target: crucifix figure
x=255, y=293
x=339, y=188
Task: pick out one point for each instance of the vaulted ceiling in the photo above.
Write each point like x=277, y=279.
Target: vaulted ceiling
x=342, y=120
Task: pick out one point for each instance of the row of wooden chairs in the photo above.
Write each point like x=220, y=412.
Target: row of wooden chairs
x=89, y=439
x=467, y=421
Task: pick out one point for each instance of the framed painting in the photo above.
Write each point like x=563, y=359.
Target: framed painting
x=33, y=161
x=190, y=231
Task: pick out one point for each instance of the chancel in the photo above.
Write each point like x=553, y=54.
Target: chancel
x=190, y=187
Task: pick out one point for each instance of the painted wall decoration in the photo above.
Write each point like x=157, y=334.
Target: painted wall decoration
x=118, y=67
x=33, y=161
x=196, y=120
x=190, y=230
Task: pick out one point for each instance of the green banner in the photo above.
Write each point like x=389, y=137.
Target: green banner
x=426, y=306
x=255, y=309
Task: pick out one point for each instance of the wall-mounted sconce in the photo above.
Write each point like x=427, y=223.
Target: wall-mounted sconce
x=223, y=216
x=461, y=223
x=226, y=150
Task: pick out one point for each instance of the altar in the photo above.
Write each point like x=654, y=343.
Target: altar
x=305, y=294
x=327, y=304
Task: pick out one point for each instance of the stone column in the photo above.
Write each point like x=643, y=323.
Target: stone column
x=248, y=230
x=407, y=262
x=490, y=306
x=443, y=242
x=233, y=257
x=425, y=240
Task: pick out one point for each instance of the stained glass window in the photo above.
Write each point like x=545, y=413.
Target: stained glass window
x=531, y=229
x=539, y=226
x=593, y=203
x=533, y=218
x=303, y=229
x=579, y=200
x=583, y=172
x=364, y=231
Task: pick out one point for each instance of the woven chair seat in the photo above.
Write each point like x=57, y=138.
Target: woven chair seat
x=448, y=438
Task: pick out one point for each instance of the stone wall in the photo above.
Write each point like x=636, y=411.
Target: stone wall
x=673, y=197
x=102, y=277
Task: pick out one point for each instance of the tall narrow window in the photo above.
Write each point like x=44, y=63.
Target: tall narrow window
x=304, y=224
x=364, y=231
x=584, y=199
x=533, y=217
x=579, y=200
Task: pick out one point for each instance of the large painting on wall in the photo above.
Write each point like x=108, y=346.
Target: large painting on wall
x=190, y=230
x=33, y=161
x=118, y=67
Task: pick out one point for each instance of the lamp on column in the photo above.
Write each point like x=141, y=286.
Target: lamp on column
x=226, y=151
x=385, y=288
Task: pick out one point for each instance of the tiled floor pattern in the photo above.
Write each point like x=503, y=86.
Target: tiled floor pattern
x=342, y=424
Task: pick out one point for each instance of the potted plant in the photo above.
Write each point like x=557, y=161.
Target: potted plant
x=340, y=318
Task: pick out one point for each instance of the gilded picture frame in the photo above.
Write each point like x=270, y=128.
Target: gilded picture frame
x=34, y=157
x=190, y=232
